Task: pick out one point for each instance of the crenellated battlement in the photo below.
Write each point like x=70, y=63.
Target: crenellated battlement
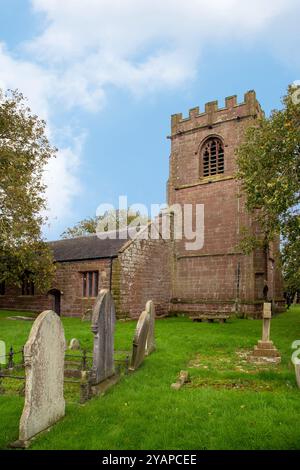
x=213, y=114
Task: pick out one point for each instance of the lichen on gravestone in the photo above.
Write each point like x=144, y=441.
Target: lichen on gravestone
x=44, y=355
x=140, y=340
x=103, y=328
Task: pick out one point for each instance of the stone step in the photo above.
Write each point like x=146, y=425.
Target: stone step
x=265, y=345
x=258, y=352
x=264, y=359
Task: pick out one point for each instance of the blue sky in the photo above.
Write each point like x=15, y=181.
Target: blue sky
x=107, y=75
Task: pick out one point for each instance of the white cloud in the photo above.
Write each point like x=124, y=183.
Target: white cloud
x=29, y=78
x=124, y=27
x=62, y=182
x=140, y=45
x=39, y=86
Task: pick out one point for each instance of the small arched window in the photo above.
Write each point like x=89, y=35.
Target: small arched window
x=212, y=157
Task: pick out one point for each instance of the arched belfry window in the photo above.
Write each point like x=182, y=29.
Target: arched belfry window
x=212, y=157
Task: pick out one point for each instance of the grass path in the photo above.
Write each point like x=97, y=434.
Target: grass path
x=228, y=404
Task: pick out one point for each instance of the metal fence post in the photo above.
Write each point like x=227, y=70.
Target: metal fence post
x=11, y=358
x=23, y=357
x=84, y=360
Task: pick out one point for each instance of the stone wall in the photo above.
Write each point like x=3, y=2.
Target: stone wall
x=14, y=300
x=68, y=281
x=145, y=274
x=115, y=287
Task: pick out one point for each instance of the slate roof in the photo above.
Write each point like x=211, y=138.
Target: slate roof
x=83, y=248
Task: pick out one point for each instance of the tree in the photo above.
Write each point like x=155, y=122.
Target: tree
x=269, y=169
x=24, y=152
x=115, y=219
x=291, y=256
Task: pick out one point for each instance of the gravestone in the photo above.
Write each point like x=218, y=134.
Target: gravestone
x=267, y=315
x=87, y=315
x=74, y=344
x=103, y=327
x=265, y=351
x=182, y=380
x=140, y=340
x=44, y=355
x=150, y=343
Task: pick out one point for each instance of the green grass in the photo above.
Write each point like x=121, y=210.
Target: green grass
x=229, y=404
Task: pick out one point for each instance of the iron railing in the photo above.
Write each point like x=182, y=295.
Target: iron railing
x=77, y=369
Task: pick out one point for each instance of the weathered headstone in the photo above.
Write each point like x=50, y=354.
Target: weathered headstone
x=140, y=340
x=87, y=315
x=74, y=344
x=183, y=378
x=103, y=327
x=265, y=351
x=150, y=343
x=44, y=355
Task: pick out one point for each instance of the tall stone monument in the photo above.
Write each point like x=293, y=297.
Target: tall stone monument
x=44, y=355
x=150, y=343
x=140, y=340
x=265, y=351
x=103, y=328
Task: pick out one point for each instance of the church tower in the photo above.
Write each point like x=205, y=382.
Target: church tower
x=217, y=278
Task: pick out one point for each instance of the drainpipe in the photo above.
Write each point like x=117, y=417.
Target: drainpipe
x=110, y=273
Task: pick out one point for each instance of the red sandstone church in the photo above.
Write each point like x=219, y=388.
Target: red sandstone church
x=216, y=280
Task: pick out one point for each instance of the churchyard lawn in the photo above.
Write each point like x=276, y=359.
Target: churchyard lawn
x=228, y=404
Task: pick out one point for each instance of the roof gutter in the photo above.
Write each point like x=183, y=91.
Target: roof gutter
x=84, y=259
